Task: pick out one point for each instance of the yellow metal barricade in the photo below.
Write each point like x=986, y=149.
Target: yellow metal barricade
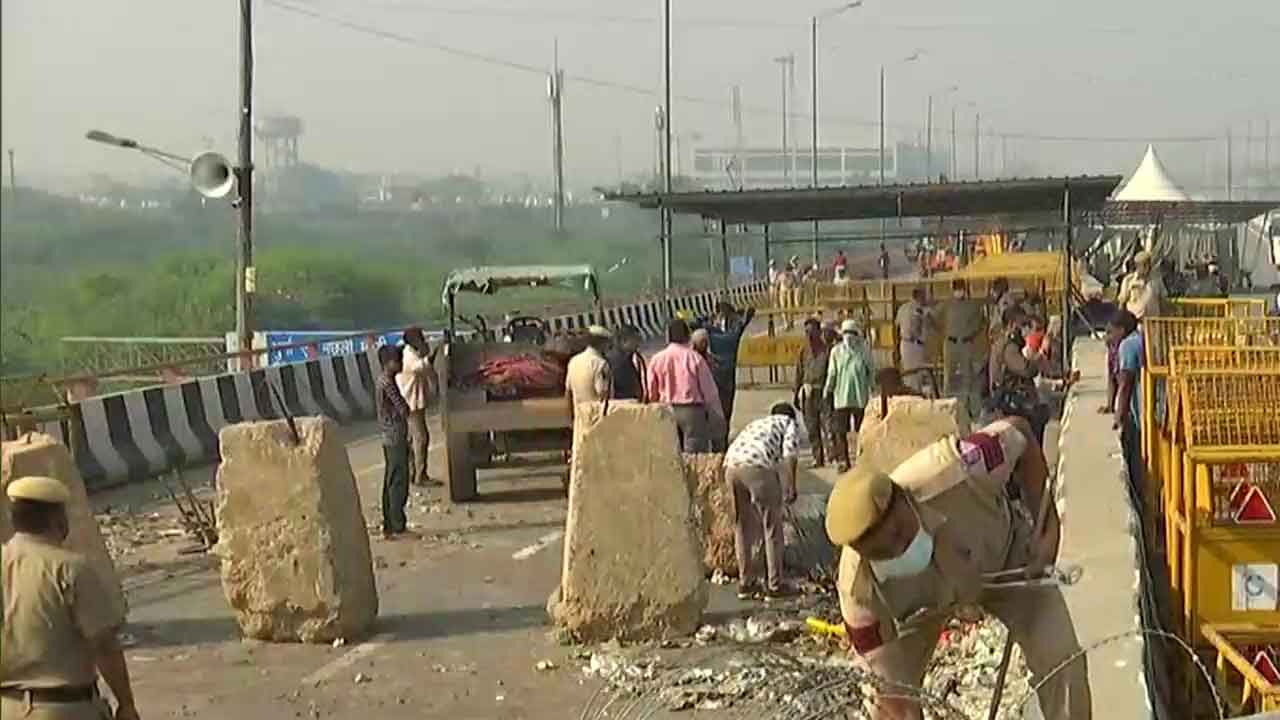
x=1218, y=307
x=1220, y=485
x=1238, y=648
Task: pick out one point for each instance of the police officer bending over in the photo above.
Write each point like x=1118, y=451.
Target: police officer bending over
x=57, y=633
x=921, y=545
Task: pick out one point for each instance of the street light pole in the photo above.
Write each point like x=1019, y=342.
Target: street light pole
x=245, y=273
x=813, y=92
x=666, y=145
x=928, y=123
x=881, y=124
x=977, y=146
x=954, y=172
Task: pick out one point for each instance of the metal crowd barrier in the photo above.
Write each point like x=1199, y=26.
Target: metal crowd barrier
x=1211, y=436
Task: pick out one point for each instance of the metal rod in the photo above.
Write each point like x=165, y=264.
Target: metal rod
x=13, y=180
x=977, y=146
x=245, y=279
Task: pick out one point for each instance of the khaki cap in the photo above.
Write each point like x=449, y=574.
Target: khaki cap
x=40, y=489
x=1142, y=256
x=857, y=503
x=599, y=331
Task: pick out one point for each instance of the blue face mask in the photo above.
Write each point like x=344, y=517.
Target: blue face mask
x=913, y=561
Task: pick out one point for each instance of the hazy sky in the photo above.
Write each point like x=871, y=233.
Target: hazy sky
x=165, y=71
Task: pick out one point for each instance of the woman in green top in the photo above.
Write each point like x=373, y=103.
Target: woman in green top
x=850, y=369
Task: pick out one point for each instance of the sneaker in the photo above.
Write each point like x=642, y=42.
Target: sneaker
x=782, y=591
x=817, y=464
x=748, y=591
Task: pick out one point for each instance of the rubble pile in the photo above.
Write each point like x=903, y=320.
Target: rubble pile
x=964, y=668
x=766, y=665
x=125, y=532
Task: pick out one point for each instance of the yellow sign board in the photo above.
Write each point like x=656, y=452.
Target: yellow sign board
x=763, y=351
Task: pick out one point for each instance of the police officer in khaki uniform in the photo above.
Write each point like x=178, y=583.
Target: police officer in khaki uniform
x=57, y=634
x=963, y=324
x=920, y=545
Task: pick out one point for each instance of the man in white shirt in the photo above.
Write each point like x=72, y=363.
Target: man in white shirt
x=417, y=383
x=912, y=320
x=760, y=467
x=1142, y=291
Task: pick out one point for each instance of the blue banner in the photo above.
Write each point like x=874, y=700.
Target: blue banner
x=323, y=347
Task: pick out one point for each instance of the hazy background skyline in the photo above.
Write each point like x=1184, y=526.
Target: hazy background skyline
x=377, y=93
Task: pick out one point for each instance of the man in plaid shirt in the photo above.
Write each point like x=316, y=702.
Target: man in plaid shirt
x=393, y=422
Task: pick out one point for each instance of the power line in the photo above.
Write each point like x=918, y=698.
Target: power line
x=620, y=86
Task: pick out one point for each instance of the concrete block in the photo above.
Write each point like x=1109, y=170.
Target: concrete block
x=291, y=535
x=713, y=510
x=912, y=423
x=632, y=566
x=39, y=454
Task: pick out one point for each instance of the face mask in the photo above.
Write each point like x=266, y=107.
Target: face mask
x=958, y=294
x=912, y=561
x=850, y=340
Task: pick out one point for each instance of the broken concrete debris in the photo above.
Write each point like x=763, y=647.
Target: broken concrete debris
x=295, y=556
x=767, y=664
x=629, y=574
x=713, y=509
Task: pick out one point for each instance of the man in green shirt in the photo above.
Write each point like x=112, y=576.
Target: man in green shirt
x=850, y=369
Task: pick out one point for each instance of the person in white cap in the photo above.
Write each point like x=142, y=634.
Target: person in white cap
x=57, y=634
x=587, y=377
x=850, y=369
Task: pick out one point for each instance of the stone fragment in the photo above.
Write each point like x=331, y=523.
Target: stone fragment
x=912, y=424
x=713, y=509
x=295, y=553
x=39, y=454
x=632, y=565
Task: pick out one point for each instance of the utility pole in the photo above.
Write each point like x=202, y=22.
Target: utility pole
x=784, y=62
x=813, y=91
x=1004, y=155
x=928, y=140
x=882, y=127
x=246, y=279
x=13, y=181
x=666, y=144
x=617, y=157
x=977, y=147
x=954, y=169
x=735, y=103
x=555, y=87
x=1228, y=164
x=1266, y=151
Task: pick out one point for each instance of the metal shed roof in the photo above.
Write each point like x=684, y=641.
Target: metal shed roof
x=862, y=202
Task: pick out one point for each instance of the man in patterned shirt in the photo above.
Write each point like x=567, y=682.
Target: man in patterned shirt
x=760, y=467
x=393, y=422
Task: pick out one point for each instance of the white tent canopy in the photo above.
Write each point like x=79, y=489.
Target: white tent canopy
x=1151, y=182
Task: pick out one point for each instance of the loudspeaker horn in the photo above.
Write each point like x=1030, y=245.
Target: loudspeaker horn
x=211, y=175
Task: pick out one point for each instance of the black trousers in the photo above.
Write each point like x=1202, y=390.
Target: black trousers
x=817, y=413
x=395, y=486
x=844, y=420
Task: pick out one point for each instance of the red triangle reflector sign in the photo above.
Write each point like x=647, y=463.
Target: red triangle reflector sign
x=1254, y=507
x=1266, y=667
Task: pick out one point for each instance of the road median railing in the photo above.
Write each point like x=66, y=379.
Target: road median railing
x=136, y=434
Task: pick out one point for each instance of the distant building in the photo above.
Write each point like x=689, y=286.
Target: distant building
x=718, y=168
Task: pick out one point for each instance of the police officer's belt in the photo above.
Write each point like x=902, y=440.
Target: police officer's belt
x=954, y=339
x=64, y=694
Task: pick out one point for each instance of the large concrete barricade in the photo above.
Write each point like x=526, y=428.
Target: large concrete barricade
x=633, y=566
x=38, y=454
x=291, y=534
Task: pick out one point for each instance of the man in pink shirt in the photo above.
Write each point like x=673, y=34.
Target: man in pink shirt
x=681, y=378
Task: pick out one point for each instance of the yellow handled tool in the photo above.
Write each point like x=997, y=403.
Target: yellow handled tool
x=822, y=627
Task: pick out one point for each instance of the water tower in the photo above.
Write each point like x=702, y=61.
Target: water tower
x=279, y=136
